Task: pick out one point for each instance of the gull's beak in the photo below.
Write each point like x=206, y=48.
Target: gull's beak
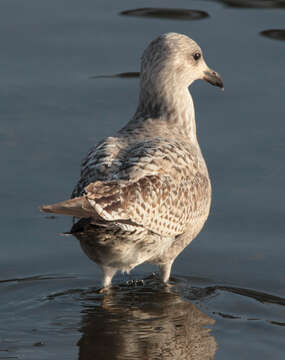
x=213, y=78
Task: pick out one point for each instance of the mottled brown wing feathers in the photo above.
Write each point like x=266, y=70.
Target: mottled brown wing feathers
x=155, y=202
x=158, y=184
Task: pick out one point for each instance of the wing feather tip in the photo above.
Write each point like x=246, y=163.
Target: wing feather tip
x=46, y=208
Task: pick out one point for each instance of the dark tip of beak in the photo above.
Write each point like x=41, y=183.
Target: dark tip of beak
x=213, y=78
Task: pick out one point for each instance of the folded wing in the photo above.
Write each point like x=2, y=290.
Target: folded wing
x=157, y=184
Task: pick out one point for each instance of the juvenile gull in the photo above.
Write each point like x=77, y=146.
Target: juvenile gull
x=146, y=190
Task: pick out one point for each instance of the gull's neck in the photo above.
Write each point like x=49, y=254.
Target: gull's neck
x=167, y=104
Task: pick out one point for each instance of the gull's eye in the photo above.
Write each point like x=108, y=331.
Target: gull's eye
x=196, y=56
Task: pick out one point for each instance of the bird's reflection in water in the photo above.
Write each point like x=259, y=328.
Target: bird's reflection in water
x=145, y=322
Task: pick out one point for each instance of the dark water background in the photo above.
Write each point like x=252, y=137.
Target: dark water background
x=232, y=277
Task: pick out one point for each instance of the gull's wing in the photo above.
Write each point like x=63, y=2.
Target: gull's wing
x=100, y=163
x=159, y=185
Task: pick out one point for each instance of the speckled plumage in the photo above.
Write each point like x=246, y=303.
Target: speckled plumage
x=147, y=189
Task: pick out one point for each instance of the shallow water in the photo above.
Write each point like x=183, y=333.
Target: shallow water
x=231, y=278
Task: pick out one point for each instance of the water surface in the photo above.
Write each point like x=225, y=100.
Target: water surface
x=231, y=278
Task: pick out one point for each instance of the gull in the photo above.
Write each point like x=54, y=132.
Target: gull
x=146, y=189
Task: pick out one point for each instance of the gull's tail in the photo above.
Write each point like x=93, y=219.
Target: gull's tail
x=78, y=207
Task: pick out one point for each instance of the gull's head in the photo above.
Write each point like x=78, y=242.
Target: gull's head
x=176, y=60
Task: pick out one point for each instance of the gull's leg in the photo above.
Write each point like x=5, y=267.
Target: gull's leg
x=165, y=270
x=109, y=272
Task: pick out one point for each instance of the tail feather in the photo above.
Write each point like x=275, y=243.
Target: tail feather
x=78, y=207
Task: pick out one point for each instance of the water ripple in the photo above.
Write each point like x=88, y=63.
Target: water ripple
x=167, y=13
x=276, y=34
x=123, y=75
